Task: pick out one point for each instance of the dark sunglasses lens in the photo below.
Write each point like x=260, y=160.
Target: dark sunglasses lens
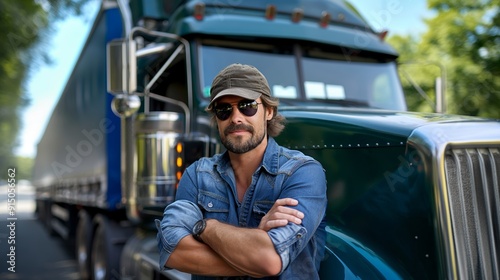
x=248, y=108
x=223, y=111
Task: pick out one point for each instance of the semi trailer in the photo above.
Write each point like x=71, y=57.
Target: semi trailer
x=410, y=195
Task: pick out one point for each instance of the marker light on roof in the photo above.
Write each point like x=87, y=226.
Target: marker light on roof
x=325, y=19
x=382, y=35
x=297, y=15
x=270, y=12
x=199, y=11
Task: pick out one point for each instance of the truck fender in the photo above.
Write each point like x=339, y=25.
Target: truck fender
x=347, y=258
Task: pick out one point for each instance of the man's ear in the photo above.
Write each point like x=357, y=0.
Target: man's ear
x=270, y=113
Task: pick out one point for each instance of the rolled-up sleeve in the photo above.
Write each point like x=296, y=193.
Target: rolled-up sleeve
x=288, y=240
x=307, y=184
x=178, y=220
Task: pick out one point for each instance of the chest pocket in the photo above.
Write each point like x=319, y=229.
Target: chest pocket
x=213, y=206
x=260, y=208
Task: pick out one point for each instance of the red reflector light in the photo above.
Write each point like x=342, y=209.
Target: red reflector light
x=270, y=12
x=383, y=34
x=199, y=11
x=325, y=19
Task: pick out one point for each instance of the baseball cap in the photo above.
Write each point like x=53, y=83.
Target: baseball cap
x=240, y=80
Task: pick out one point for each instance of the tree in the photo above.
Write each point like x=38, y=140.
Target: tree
x=24, y=166
x=464, y=36
x=25, y=25
x=417, y=73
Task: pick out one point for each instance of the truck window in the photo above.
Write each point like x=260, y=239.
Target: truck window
x=273, y=65
x=172, y=84
x=329, y=78
x=373, y=84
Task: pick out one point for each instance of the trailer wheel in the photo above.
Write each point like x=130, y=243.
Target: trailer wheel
x=107, y=246
x=83, y=244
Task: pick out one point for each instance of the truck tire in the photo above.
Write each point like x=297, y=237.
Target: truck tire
x=109, y=239
x=83, y=243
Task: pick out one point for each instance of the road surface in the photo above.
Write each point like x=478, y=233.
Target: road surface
x=27, y=251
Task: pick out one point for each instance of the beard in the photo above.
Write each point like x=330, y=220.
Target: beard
x=236, y=145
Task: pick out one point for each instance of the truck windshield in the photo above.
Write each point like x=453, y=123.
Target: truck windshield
x=328, y=79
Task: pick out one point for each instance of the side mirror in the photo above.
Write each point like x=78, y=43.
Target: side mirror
x=121, y=66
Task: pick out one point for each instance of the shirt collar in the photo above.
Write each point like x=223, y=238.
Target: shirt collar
x=271, y=157
x=269, y=162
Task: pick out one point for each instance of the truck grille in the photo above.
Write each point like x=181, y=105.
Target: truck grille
x=472, y=176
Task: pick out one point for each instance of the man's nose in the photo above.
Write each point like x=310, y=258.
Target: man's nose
x=236, y=116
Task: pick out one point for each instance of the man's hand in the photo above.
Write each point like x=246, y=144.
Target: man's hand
x=280, y=214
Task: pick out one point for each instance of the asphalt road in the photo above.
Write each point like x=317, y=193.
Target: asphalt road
x=36, y=254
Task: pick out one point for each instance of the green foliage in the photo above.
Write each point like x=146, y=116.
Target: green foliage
x=25, y=24
x=18, y=36
x=24, y=168
x=464, y=37
x=416, y=72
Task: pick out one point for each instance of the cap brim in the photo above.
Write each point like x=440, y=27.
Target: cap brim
x=241, y=92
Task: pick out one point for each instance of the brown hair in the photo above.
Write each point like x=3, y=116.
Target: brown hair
x=277, y=123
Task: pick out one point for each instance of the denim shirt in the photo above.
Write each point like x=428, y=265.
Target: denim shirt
x=210, y=185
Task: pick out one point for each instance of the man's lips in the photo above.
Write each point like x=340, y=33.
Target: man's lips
x=236, y=132
x=238, y=129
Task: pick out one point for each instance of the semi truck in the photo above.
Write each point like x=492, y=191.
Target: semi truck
x=410, y=195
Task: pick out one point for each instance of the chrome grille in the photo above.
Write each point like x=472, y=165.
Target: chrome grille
x=472, y=177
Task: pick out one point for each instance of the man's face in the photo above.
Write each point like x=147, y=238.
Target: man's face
x=240, y=133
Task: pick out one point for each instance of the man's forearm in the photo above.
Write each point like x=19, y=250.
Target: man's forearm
x=248, y=250
x=193, y=257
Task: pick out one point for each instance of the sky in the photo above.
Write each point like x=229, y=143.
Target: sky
x=47, y=82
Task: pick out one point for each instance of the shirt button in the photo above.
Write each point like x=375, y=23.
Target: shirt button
x=299, y=235
x=210, y=204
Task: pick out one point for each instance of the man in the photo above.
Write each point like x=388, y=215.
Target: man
x=256, y=210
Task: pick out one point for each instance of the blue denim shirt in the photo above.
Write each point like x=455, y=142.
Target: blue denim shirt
x=210, y=185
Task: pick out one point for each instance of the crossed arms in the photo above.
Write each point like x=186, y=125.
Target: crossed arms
x=229, y=250
x=234, y=251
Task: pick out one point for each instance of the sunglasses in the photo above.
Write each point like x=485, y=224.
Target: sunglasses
x=247, y=107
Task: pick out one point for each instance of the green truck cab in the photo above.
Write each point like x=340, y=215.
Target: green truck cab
x=410, y=195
